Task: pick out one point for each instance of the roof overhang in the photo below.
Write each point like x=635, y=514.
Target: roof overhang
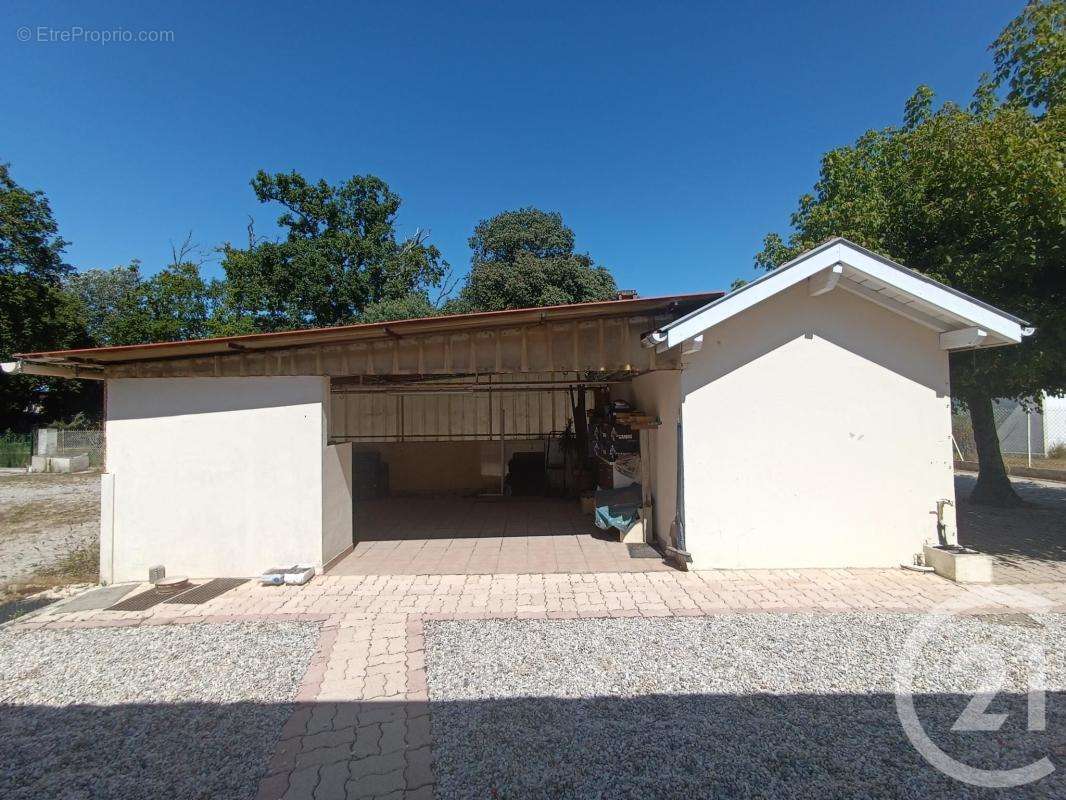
x=93, y=363
x=963, y=322
x=51, y=370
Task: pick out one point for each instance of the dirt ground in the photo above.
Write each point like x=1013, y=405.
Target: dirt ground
x=47, y=525
x=1058, y=463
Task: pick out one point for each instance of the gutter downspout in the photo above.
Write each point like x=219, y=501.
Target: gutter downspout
x=676, y=554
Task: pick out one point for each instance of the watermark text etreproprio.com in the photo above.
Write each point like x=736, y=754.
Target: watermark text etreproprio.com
x=76, y=34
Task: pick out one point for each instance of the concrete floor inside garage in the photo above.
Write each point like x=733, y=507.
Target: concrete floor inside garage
x=455, y=535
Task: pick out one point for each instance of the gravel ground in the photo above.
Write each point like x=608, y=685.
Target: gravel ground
x=44, y=518
x=152, y=712
x=746, y=706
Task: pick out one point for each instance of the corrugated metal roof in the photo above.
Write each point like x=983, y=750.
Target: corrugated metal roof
x=674, y=304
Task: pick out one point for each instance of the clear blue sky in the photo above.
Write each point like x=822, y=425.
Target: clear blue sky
x=671, y=138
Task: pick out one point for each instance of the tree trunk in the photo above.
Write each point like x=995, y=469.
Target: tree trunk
x=993, y=486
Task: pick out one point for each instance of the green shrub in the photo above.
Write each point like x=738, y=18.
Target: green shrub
x=15, y=449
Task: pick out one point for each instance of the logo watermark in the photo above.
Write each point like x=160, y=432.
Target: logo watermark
x=76, y=34
x=975, y=717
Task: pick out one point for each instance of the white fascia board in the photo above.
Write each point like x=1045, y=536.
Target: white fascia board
x=898, y=277
x=743, y=299
x=954, y=303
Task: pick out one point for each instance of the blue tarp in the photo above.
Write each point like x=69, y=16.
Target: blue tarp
x=618, y=508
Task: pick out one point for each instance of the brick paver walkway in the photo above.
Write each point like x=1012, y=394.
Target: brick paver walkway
x=1027, y=543
x=362, y=729
x=362, y=724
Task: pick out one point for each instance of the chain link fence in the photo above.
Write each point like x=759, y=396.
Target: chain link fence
x=1030, y=435
x=70, y=442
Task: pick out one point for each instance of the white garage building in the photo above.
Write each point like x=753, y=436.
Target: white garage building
x=228, y=456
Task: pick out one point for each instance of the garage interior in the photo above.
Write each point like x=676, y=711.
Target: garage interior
x=484, y=474
x=488, y=449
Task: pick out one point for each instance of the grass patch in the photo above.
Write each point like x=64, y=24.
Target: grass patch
x=15, y=449
x=1054, y=462
x=80, y=566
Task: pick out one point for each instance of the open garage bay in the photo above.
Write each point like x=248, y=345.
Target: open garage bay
x=451, y=535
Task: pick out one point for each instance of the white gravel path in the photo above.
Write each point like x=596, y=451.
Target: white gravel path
x=149, y=712
x=44, y=518
x=746, y=706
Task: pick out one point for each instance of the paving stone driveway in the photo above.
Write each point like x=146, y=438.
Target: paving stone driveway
x=362, y=729
x=362, y=726
x=1028, y=543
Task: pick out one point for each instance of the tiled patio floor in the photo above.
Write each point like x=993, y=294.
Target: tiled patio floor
x=446, y=535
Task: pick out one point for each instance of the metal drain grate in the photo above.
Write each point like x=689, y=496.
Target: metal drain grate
x=139, y=602
x=641, y=550
x=207, y=591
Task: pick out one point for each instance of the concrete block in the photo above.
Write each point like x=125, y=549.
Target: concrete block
x=634, y=534
x=47, y=441
x=959, y=564
x=78, y=463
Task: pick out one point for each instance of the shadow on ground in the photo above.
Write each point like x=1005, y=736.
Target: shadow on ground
x=655, y=746
x=194, y=750
x=12, y=606
x=1033, y=532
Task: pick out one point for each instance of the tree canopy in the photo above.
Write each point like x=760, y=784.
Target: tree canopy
x=35, y=312
x=339, y=255
x=1030, y=56
x=525, y=258
x=120, y=306
x=975, y=198
x=30, y=243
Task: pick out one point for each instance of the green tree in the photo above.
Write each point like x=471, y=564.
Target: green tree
x=35, y=313
x=1030, y=56
x=977, y=199
x=412, y=306
x=119, y=306
x=340, y=254
x=179, y=304
x=109, y=303
x=526, y=258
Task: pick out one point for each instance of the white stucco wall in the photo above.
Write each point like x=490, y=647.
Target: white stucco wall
x=816, y=434
x=336, y=501
x=658, y=394
x=215, y=476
